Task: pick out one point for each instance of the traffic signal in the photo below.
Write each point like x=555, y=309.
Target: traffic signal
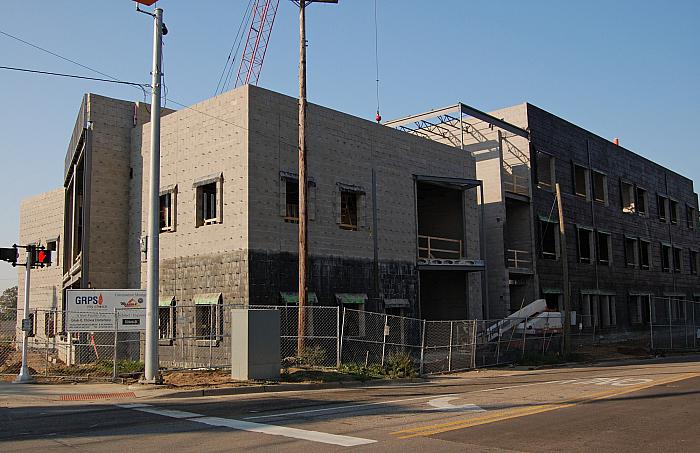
x=9, y=254
x=41, y=257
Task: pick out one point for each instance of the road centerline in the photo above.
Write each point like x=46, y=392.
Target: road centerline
x=428, y=430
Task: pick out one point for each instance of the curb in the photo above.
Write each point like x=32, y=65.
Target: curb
x=287, y=387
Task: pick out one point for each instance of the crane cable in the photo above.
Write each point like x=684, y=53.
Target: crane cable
x=238, y=39
x=378, y=118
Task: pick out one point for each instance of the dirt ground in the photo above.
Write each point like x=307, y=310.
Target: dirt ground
x=622, y=350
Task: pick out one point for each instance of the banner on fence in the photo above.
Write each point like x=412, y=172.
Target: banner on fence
x=102, y=310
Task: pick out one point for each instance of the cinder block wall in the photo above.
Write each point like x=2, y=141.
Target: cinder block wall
x=41, y=219
x=342, y=149
x=210, y=138
x=106, y=230
x=569, y=144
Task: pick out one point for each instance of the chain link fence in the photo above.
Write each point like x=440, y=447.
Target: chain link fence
x=508, y=340
x=199, y=337
x=673, y=323
x=373, y=338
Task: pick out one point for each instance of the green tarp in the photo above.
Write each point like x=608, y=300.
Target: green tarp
x=166, y=301
x=293, y=298
x=348, y=298
x=207, y=299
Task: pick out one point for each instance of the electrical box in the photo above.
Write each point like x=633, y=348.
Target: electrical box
x=255, y=344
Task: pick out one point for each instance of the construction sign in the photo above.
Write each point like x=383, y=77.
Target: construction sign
x=105, y=310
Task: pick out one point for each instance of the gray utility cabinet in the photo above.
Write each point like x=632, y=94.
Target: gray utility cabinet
x=255, y=344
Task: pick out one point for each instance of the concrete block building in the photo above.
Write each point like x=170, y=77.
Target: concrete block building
x=631, y=225
x=394, y=219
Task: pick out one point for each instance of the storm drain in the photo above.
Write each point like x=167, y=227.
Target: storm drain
x=96, y=396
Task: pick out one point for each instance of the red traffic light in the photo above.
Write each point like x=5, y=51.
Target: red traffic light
x=41, y=258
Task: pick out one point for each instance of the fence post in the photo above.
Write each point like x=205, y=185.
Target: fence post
x=342, y=333
x=386, y=320
x=338, y=336
x=498, y=343
x=114, y=354
x=211, y=331
x=46, y=350
x=474, y=325
x=524, y=337
x=695, y=327
x=449, y=351
x=685, y=322
x=670, y=325
x=651, y=323
x=422, y=349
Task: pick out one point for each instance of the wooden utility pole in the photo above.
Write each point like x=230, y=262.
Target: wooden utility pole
x=566, y=324
x=303, y=252
x=301, y=328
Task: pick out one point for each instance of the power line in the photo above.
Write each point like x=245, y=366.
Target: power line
x=73, y=76
x=141, y=86
x=57, y=55
x=114, y=80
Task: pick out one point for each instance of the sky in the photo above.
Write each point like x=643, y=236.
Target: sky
x=627, y=69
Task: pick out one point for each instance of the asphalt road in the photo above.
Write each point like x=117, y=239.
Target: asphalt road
x=621, y=407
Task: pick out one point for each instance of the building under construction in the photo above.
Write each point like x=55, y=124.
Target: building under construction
x=631, y=225
x=394, y=219
x=399, y=220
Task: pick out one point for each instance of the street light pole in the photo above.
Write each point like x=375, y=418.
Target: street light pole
x=24, y=377
x=151, y=374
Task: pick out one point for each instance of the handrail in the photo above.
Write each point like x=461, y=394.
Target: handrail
x=430, y=249
x=515, y=183
x=517, y=259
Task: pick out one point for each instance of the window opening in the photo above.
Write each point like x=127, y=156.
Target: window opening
x=348, y=210
x=545, y=170
x=581, y=181
x=603, y=252
x=631, y=252
x=641, y=204
x=600, y=187
x=627, y=191
x=584, y=245
x=662, y=207
x=666, y=258
x=644, y=255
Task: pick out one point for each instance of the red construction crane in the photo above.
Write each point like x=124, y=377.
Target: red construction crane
x=264, y=12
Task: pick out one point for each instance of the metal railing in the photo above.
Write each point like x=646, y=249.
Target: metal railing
x=432, y=247
x=517, y=259
x=516, y=183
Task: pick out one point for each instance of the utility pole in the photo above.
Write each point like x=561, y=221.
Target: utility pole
x=303, y=252
x=303, y=227
x=566, y=325
x=151, y=362
x=24, y=377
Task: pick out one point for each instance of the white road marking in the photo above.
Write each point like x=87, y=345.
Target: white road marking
x=313, y=436
x=169, y=412
x=340, y=408
x=443, y=404
x=614, y=381
x=273, y=430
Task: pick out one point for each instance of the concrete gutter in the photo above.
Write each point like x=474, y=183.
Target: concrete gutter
x=162, y=391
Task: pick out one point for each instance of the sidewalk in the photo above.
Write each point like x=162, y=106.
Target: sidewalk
x=96, y=393
x=33, y=394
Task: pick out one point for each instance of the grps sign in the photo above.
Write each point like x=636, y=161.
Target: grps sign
x=105, y=310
